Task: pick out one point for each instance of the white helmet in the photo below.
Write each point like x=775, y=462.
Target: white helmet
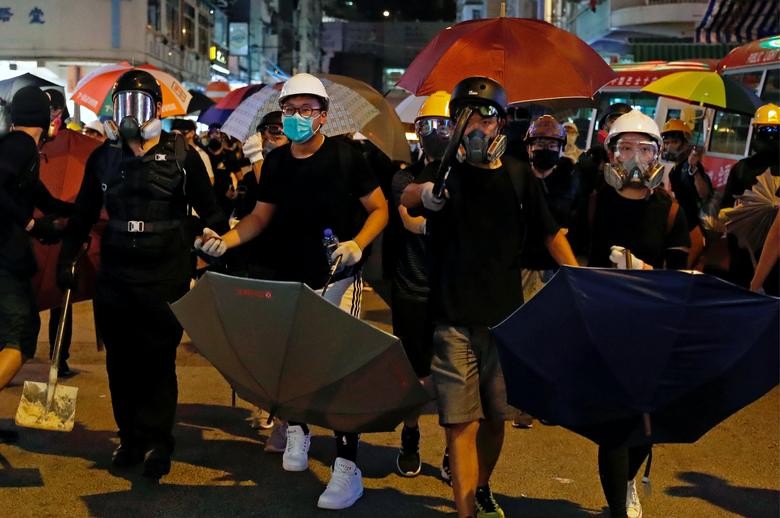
x=634, y=122
x=303, y=84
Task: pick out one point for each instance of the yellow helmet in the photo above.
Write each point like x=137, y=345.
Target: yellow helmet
x=768, y=114
x=676, y=125
x=436, y=105
x=74, y=125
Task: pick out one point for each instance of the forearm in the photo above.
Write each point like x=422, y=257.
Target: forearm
x=769, y=256
x=560, y=250
x=247, y=229
x=375, y=223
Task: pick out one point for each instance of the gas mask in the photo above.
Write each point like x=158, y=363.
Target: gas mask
x=434, y=135
x=477, y=147
x=134, y=116
x=635, y=164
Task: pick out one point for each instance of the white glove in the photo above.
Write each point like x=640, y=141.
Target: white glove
x=618, y=256
x=429, y=200
x=349, y=251
x=253, y=148
x=210, y=243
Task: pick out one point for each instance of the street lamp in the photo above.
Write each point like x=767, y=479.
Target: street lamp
x=386, y=13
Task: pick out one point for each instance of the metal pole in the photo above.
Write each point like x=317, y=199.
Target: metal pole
x=502, y=9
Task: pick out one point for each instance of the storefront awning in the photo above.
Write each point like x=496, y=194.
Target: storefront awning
x=738, y=21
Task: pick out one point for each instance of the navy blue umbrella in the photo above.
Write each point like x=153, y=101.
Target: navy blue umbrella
x=683, y=351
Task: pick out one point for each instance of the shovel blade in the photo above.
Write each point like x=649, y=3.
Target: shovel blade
x=32, y=407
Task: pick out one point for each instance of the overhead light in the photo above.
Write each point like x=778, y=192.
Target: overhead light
x=386, y=13
x=220, y=68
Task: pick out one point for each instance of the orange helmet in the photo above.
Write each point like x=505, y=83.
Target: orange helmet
x=546, y=127
x=678, y=126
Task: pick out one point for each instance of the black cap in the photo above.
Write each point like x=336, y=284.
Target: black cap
x=30, y=107
x=478, y=91
x=269, y=118
x=183, y=125
x=140, y=80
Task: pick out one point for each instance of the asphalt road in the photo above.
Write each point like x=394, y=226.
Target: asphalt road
x=220, y=469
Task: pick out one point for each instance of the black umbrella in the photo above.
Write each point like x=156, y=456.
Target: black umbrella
x=8, y=87
x=683, y=350
x=287, y=350
x=199, y=102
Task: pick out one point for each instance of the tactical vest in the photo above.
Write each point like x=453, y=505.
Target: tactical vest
x=144, y=196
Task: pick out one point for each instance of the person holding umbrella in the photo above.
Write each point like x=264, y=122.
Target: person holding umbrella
x=21, y=191
x=636, y=225
x=766, y=147
x=477, y=233
x=310, y=185
x=146, y=180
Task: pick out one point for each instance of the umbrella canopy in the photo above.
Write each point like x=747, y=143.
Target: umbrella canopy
x=216, y=90
x=687, y=350
x=220, y=112
x=354, y=107
x=287, y=350
x=532, y=59
x=62, y=170
x=199, y=102
x=8, y=87
x=749, y=220
x=706, y=89
x=95, y=89
x=408, y=109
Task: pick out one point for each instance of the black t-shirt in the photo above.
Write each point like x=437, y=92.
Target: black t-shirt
x=167, y=263
x=310, y=195
x=641, y=226
x=684, y=188
x=410, y=272
x=476, y=241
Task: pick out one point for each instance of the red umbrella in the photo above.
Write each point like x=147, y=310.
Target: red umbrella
x=219, y=112
x=62, y=169
x=532, y=59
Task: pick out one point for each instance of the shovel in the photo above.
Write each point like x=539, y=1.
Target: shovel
x=50, y=406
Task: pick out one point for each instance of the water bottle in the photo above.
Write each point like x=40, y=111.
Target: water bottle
x=329, y=243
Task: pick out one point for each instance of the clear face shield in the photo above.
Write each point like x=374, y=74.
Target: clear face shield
x=135, y=114
x=635, y=164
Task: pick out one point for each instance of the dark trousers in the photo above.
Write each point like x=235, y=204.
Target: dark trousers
x=55, y=314
x=141, y=335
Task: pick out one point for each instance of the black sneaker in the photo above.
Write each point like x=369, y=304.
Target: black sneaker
x=446, y=474
x=523, y=421
x=125, y=456
x=157, y=462
x=487, y=507
x=408, y=461
x=64, y=371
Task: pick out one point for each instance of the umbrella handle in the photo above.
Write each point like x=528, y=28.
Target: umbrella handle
x=333, y=269
x=449, y=153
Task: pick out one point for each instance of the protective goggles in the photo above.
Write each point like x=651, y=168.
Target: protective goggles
x=643, y=151
x=273, y=129
x=134, y=103
x=484, y=110
x=769, y=131
x=442, y=127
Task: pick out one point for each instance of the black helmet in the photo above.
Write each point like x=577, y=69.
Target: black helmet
x=139, y=80
x=478, y=91
x=613, y=112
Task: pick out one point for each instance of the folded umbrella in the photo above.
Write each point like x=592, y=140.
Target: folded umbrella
x=683, y=350
x=749, y=220
x=287, y=350
x=532, y=59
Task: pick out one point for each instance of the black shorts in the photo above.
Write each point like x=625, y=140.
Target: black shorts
x=19, y=319
x=412, y=323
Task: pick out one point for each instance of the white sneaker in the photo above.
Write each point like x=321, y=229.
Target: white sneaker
x=296, y=454
x=344, y=488
x=277, y=441
x=633, y=507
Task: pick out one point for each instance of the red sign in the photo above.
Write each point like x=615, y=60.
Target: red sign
x=718, y=169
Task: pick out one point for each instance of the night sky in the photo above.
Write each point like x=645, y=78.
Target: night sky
x=399, y=9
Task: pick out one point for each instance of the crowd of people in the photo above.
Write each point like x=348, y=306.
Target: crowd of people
x=516, y=205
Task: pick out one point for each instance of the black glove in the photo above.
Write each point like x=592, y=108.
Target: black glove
x=48, y=229
x=66, y=275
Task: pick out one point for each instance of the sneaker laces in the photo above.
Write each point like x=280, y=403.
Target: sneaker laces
x=485, y=501
x=340, y=481
x=296, y=444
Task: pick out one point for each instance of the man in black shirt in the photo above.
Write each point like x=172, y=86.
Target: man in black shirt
x=21, y=191
x=477, y=232
x=146, y=180
x=314, y=183
x=766, y=156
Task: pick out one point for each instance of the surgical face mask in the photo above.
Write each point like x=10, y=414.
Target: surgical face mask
x=635, y=164
x=135, y=115
x=297, y=128
x=479, y=148
x=545, y=159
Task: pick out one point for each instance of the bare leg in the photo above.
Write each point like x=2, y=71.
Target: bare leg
x=490, y=439
x=462, y=441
